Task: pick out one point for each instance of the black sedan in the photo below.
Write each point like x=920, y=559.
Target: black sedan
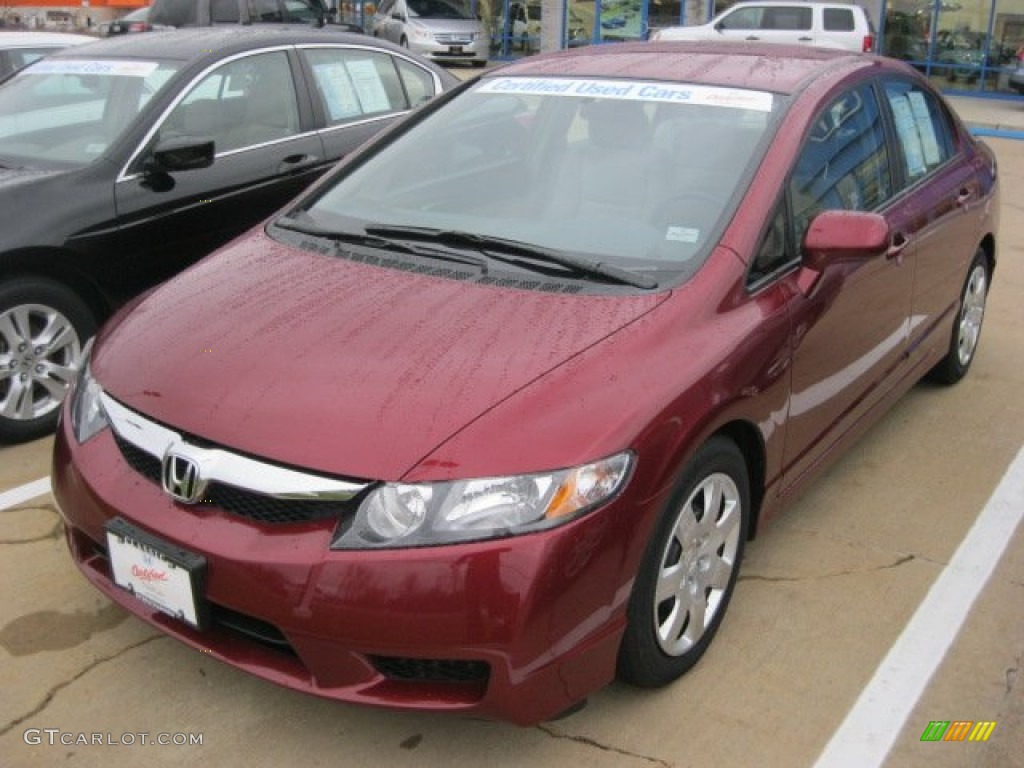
x=124, y=160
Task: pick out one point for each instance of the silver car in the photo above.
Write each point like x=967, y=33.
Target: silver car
x=443, y=30
x=22, y=47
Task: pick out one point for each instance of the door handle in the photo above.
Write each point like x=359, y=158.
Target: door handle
x=897, y=245
x=294, y=163
x=964, y=196
x=805, y=39
x=753, y=37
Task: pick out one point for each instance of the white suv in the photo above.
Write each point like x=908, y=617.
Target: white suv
x=827, y=25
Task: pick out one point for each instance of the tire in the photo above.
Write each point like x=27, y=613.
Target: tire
x=963, y=342
x=43, y=327
x=404, y=42
x=694, y=558
x=479, y=64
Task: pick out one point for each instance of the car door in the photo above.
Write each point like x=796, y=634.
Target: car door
x=851, y=320
x=939, y=186
x=266, y=153
x=740, y=23
x=358, y=91
x=385, y=26
x=789, y=24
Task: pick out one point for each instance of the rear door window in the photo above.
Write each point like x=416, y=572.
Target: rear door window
x=922, y=128
x=356, y=83
x=838, y=20
x=787, y=18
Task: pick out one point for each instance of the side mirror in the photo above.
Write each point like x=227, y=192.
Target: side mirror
x=181, y=153
x=397, y=16
x=837, y=236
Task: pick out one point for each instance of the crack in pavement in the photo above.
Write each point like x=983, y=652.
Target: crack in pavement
x=52, y=535
x=1011, y=676
x=817, y=577
x=50, y=694
x=557, y=734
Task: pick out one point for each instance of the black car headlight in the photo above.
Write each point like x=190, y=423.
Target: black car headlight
x=87, y=415
x=425, y=514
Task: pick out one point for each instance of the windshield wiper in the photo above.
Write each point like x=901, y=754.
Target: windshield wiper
x=373, y=240
x=487, y=245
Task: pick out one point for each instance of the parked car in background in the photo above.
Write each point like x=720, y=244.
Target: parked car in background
x=486, y=416
x=136, y=21
x=206, y=13
x=825, y=25
x=961, y=55
x=22, y=47
x=122, y=164
x=442, y=30
x=1017, y=74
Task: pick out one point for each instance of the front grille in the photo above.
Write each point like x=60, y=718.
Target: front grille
x=432, y=670
x=136, y=458
x=237, y=501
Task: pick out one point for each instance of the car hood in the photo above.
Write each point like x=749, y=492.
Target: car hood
x=12, y=178
x=448, y=26
x=336, y=366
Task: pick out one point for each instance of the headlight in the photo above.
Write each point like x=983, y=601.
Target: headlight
x=425, y=514
x=87, y=415
x=416, y=32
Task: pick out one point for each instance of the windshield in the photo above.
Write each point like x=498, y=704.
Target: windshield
x=640, y=175
x=64, y=113
x=437, y=9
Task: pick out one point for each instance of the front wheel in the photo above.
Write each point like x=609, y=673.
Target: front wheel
x=689, y=569
x=43, y=327
x=963, y=342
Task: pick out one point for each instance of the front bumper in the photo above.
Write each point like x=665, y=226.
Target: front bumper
x=476, y=51
x=519, y=629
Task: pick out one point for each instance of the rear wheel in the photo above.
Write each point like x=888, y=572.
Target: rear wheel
x=689, y=571
x=43, y=327
x=963, y=342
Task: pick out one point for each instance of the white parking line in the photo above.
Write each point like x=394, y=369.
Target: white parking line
x=24, y=493
x=875, y=721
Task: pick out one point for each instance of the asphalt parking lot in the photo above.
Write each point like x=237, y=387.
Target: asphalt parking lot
x=825, y=595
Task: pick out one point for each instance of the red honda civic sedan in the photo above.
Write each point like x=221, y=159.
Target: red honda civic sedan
x=483, y=420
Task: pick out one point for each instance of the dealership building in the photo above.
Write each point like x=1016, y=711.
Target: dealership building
x=962, y=45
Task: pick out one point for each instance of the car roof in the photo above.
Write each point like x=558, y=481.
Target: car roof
x=199, y=43
x=29, y=39
x=789, y=4
x=769, y=67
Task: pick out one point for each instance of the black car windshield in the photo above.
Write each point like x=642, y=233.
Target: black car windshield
x=642, y=175
x=64, y=113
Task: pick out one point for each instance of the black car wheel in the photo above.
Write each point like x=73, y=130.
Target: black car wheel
x=43, y=327
x=963, y=342
x=689, y=569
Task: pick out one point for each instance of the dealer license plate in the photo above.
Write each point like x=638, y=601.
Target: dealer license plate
x=159, y=573
x=454, y=49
